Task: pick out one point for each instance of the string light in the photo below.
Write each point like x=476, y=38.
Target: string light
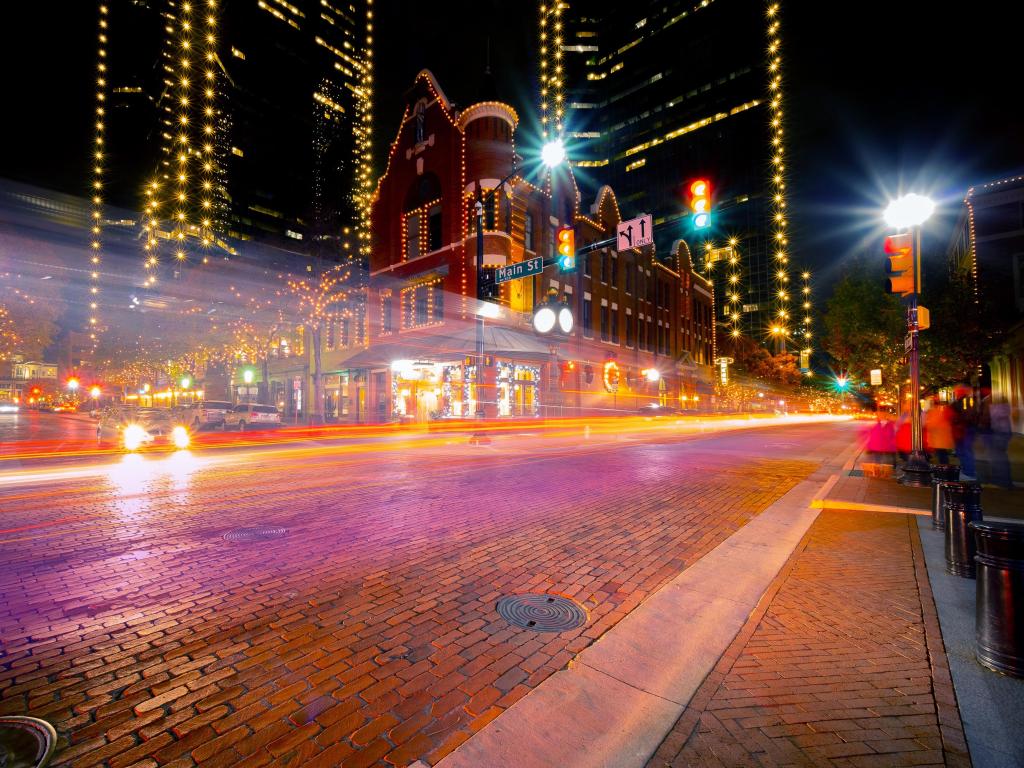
x=99, y=155
x=552, y=92
x=775, y=113
x=207, y=141
x=182, y=146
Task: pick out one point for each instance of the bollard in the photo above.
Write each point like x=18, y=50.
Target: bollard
x=941, y=474
x=963, y=505
x=999, y=609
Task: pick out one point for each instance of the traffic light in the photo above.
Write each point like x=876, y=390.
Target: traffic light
x=566, y=238
x=899, y=249
x=700, y=203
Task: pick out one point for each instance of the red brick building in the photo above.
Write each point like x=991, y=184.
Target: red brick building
x=635, y=313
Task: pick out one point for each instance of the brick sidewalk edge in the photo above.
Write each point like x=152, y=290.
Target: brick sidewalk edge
x=954, y=743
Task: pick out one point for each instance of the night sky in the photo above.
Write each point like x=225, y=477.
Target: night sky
x=879, y=95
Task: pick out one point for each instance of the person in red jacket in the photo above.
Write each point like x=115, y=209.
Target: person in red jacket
x=904, y=440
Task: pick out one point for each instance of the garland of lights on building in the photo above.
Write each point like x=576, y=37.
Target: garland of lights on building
x=207, y=177
x=363, y=194
x=780, y=321
x=183, y=144
x=99, y=153
x=552, y=93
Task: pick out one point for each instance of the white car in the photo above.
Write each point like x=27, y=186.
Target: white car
x=8, y=406
x=252, y=416
x=205, y=413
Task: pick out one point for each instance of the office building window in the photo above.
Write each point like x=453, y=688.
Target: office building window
x=604, y=322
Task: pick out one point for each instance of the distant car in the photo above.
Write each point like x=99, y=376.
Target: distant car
x=252, y=416
x=205, y=413
x=64, y=408
x=8, y=406
x=144, y=426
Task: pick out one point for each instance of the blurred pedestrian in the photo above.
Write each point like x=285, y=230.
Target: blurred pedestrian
x=964, y=429
x=996, y=433
x=938, y=424
x=904, y=437
x=882, y=441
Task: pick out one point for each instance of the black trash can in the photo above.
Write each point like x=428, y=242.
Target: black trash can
x=999, y=622
x=963, y=505
x=940, y=474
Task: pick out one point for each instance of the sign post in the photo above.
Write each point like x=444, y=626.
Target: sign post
x=519, y=269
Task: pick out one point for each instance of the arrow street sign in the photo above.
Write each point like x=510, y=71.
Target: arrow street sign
x=634, y=233
x=520, y=269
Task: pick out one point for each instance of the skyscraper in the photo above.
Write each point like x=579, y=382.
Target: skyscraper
x=239, y=121
x=652, y=95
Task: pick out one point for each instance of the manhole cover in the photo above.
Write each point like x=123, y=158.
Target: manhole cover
x=542, y=613
x=258, y=533
x=26, y=742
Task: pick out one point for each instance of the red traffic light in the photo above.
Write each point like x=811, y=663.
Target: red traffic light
x=899, y=250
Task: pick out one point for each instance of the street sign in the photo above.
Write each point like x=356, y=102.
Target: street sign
x=876, y=377
x=908, y=343
x=519, y=269
x=634, y=232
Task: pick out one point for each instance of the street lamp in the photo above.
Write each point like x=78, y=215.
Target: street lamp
x=552, y=155
x=910, y=212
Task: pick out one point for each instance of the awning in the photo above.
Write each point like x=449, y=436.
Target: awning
x=498, y=341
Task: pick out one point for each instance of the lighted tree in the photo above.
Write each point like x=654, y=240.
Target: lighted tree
x=9, y=339
x=317, y=300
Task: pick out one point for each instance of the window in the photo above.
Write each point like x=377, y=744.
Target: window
x=412, y=236
x=640, y=332
x=421, y=306
x=604, y=322
x=605, y=260
x=615, y=326
x=386, y=325
x=650, y=334
x=588, y=318
x=346, y=332
x=528, y=232
x=438, y=300
x=329, y=336
x=434, y=228
x=586, y=264
x=614, y=271
x=629, y=330
x=629, y=278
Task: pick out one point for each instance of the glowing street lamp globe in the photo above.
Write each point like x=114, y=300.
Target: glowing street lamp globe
x=544, y=319
x=552, y=154
x=909, y=211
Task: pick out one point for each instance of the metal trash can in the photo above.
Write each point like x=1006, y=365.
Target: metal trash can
x=999, y=610
x=963, y=505
x=940, y=474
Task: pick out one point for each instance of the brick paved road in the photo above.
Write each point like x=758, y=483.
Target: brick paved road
x=843, y=666
x=367, y=635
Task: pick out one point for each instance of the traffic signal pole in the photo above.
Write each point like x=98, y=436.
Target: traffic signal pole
x=917, y=470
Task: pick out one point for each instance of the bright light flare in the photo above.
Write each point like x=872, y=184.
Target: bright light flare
x=544, y=319
x=652, y=374
x=909, y=211
x=134, y=437
x=552, y=154
x=95, y=392
x=180, y=437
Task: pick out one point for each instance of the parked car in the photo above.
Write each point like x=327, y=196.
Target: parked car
x=252, y=415
x=205, y=413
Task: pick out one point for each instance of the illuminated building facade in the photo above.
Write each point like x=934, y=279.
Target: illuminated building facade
x=987, y=253
x=643, y=330
x=659, y=93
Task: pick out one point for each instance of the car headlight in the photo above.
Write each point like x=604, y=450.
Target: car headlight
x=180, y=437
x=134, y=436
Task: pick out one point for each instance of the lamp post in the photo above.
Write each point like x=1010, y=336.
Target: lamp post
x=552, y=154
x=910, y=212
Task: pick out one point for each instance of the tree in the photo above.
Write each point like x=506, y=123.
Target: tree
x=957, y=344
x=864, y=328
x=756, y=361
x=9, y=338
x=319, y=299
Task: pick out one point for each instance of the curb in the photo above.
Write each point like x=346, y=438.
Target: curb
x=619, y=698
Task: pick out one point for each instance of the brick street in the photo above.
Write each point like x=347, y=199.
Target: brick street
x=367, y=635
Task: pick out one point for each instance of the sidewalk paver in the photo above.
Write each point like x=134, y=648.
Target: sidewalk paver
x=842, y=664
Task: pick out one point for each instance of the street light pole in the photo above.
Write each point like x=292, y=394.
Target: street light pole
x=479, y=314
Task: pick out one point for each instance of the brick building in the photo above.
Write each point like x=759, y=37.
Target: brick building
x=636, y=313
